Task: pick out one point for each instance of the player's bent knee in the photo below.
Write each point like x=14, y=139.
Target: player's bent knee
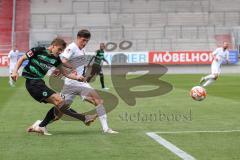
x=52, y=99
x=57, y=100
x=98, y=101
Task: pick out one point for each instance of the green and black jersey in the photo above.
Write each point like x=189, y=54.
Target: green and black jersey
x=99, y=57
x=40, y=61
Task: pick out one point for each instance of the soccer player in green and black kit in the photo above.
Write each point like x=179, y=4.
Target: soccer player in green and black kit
x=40, y=61
x=97, y=65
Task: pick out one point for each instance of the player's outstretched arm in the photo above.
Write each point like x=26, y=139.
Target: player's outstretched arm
x=18, y=65
x=90, y=61
x=71, y=75
x=105, y=60
x=66, y=63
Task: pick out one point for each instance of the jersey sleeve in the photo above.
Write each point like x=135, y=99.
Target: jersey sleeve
x=10, y=54
x=33, y=52
x=59, y=62
x=68, y=53
x=215, y=52
x=97, y=52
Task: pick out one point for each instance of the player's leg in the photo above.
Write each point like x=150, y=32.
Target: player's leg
x=11, y=82
x=211, y=80
x=68, y=94
x=52, y=115
x=93, y=72
x=102, y=79
x=42, y=93
x=55, y=113
x=215, y=67
x=206, y=78
x=63, y=108
x=37, y=89
x=92, y=96
x=40, y=126
x=210, y=76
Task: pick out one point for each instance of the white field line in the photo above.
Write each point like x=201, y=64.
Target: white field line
x=171, y=147
x=180, y=153
x=180, y=132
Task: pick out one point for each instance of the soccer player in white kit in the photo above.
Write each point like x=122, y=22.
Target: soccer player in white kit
x=220, y=55
x=74, y=54
x=13, y=58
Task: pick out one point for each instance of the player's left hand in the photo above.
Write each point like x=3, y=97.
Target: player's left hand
x=14, y=76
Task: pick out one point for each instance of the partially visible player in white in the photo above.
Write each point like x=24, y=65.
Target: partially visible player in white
x=220, y=55
x=72, y=88
x=13, y=57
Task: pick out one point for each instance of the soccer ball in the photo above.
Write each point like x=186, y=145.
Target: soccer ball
x=198, y=93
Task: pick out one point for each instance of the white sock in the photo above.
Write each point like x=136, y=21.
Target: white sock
x=210, y=81
x=210, y=76
x=10, y=80
x=102, y=116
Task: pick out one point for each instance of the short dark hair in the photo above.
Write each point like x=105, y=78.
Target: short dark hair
x=84, y=33
x=59, y=42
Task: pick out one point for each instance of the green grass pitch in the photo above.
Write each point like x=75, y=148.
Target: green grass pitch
x=72, y=140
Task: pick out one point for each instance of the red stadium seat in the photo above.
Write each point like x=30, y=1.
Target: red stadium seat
x=21, y=25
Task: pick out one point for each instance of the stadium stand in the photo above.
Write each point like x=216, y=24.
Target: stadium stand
x=5, y=25
x=149, y=24
x=22, y=25
x=22, y=22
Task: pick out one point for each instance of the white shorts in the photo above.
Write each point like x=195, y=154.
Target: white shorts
x=216, y=67
x=11, y=69
x=76, y=89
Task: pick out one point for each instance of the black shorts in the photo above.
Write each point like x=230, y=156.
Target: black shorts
x=38, y=89
x=96, y=69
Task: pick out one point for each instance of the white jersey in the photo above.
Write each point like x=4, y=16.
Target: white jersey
x=13, y=57
x=221, y=55
x=75, y=57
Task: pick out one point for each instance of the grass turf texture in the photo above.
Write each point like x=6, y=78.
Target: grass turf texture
x=72, y=140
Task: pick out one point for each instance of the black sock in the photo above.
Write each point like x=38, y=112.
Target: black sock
x=48, y=118
x=70, y=112
x=102, y=80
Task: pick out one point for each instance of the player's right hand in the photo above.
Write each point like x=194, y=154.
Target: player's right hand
x=74, y=72
x=14, y=76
